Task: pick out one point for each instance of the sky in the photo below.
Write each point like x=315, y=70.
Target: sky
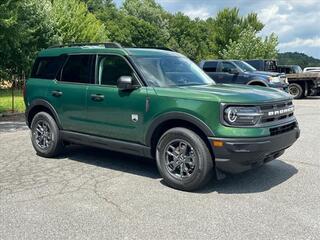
x=296, y=22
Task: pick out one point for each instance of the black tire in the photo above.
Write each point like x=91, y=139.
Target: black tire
x=45, y=135
x=296, y=90
x=196, y=164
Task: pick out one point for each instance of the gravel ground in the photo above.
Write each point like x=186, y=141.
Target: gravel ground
x=95, y=194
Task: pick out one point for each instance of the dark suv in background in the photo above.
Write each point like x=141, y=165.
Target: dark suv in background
x=240, y=72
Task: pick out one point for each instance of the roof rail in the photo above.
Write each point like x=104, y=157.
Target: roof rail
x=160, y=48
x=105, y=44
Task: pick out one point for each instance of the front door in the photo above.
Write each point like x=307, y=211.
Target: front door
x=224, y=73
x=113, y=113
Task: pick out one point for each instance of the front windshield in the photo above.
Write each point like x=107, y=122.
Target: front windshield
x=171, y=71
x=297, y=69
x=245, y=66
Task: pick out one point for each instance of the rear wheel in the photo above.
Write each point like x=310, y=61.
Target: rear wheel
x=45, y=135
x=183, y=159
x=296, y=90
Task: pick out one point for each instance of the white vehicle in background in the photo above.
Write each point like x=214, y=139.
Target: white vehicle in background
x=311, y=69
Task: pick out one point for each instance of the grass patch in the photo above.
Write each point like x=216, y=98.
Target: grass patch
x=6, y=101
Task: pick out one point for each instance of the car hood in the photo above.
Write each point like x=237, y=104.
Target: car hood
x=235, y=93
x=264, y=74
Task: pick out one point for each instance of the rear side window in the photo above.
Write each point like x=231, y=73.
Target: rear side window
x=210, y=66
x=271, y=65
x=78, y=69
x=47, y=67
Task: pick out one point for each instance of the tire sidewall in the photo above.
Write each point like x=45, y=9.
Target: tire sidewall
x=45, y=117
x=299, y=89
x=200, y=150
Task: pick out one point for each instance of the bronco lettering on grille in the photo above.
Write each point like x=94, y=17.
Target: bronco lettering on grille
x=281, y=111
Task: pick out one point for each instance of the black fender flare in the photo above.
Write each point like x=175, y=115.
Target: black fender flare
x=41, y=102
x=176, y=116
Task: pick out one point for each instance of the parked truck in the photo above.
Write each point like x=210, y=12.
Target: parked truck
x=301, y=84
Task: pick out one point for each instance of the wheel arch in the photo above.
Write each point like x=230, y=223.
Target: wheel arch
x=40, y=105
x=256, y=82
x=176, y=119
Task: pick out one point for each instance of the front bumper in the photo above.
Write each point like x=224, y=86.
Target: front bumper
x=242, y=154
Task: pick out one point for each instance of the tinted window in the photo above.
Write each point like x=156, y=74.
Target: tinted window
x=77, y=69
x=47, y=67
x=226, y=67
x=271, y=66
x=111, y=68
x=210, y=66
x=285, y=70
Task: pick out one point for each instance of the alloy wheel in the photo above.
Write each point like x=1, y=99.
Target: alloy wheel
x=43, y=135
x=180, y=159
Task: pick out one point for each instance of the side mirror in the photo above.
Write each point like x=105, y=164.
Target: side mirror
x=125, y=83
x=234, y=71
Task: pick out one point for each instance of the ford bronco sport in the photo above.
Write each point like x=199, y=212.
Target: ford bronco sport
x=157, y=104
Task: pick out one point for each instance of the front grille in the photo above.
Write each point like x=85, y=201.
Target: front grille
x=282, y=129
x=276, y=111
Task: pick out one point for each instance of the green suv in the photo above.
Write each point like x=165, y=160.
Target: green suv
x=154, y=103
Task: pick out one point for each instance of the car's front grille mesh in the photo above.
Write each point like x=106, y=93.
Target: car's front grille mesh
x=282, y=129
x=276, y=111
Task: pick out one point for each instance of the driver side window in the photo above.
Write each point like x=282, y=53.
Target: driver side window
x=111, y=68
x=227, y=67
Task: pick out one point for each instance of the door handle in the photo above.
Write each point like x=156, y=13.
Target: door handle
x=97, y=97
x=56, y=93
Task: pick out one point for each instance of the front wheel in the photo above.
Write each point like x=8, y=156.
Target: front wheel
x=184, y=160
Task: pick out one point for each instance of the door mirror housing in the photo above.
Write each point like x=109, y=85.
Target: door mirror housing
x=125, y=83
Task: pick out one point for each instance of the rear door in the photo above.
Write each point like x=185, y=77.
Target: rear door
x=68, y=93
x=113, y=113
x=210, y=67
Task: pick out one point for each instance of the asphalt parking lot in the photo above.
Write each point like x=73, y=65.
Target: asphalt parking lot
x=96, y=194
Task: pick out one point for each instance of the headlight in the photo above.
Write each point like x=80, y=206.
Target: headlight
x=242, y=116
x=274, y=79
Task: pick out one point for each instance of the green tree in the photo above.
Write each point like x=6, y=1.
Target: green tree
x=132, y=31
x=189, y=37
x=74, y=23
x=251, y=46
x=104, y=10
x=227, y=27
x=149, y=11
x=25, y=28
